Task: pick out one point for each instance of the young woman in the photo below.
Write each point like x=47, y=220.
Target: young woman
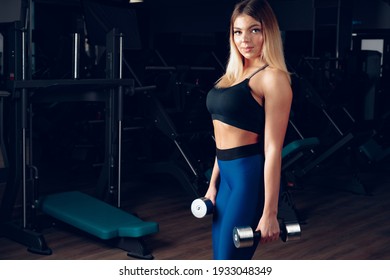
x=250, y=107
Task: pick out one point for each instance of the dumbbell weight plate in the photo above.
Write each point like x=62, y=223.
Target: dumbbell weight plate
x=293, y=232
x=243, y=237
x=201, y=207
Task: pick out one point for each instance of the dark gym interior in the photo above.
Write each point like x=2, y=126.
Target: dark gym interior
x=105, y=139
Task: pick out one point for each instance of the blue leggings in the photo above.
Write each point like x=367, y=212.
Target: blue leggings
x=240, y=199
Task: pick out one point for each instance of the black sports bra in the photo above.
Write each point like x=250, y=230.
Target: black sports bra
x=236, y=106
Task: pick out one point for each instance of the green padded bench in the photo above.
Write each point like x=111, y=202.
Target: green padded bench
x=291, y=153
x=97, y=217
x=299, y=145
x=294, y=150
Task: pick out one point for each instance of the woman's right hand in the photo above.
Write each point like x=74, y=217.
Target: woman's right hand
x=211, y=194
x=212, y=190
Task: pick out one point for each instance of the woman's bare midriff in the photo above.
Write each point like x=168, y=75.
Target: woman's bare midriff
x=227, y=136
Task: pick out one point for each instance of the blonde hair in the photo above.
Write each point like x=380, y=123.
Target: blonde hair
x=272, y=52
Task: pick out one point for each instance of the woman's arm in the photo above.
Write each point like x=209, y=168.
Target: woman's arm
x=213, y=189
x=277, y=96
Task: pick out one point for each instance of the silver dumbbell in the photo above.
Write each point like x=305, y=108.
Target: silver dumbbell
x=201, y=207
x=245, y=236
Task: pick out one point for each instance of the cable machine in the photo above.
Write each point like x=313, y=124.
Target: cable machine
x=97, y=215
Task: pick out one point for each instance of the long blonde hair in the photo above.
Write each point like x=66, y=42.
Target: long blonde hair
x=272, y=52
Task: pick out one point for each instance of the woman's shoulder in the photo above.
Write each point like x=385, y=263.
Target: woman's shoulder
x=270, y=80
x=273, y=74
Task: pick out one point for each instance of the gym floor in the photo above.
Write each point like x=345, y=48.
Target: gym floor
x=337, y=224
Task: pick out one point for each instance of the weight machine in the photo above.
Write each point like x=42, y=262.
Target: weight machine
x=340, y=137
x=98, y=214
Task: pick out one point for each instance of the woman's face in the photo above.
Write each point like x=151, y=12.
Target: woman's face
x=248, y=36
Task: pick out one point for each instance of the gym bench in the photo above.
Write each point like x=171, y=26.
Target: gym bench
x=100, y=219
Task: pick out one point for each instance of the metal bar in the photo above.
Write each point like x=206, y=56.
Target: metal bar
x=23, y=120
x=132, y=72
x=327, y=153
x=333, y=123
x=296, y=129
x=186, y=158
x=76, y=55
x=19, y=84
x=218, y=60
x=161, y=58
x=120, y=102
x=349, y=115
